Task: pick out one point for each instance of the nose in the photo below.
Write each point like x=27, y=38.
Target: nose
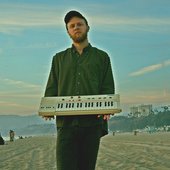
x=76, y=26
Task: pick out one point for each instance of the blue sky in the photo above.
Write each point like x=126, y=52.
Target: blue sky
x=135, y=34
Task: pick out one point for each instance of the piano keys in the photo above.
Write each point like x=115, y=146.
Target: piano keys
x=80, y=105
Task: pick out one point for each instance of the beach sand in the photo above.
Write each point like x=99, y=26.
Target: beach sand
x=120, y=152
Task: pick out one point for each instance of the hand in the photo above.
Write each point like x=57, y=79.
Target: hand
x=48, y=117
x=105, y=117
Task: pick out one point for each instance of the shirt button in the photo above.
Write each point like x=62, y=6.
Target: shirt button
x=78, y=83
x=79, y=73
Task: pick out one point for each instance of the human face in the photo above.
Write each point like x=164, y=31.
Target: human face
x=77, y=29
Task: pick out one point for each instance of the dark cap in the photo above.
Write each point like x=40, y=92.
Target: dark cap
x=72, y=14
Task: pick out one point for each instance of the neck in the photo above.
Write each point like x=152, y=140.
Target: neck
x=80, y=46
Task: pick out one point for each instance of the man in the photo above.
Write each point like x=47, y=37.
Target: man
x=2, y=142
x=11, y=135
x=79, y=70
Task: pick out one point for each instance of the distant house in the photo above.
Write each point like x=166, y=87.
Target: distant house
x=140, y=110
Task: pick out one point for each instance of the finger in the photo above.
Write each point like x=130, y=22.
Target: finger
x=44, y=117
x=48, y=117
x=106, y=117
x=51, y=117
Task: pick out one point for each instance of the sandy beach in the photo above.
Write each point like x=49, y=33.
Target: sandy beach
x=119, y=152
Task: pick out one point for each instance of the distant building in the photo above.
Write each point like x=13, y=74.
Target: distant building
x=141, y=110
x=134, y=111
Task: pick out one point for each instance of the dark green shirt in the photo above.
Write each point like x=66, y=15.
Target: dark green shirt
x=87, y=74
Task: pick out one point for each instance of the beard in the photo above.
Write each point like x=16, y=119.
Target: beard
x=79, y=39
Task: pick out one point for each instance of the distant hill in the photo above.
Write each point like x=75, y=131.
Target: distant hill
x=35, y=125
x=32, y=124
x=128, y=124
x=37, y=129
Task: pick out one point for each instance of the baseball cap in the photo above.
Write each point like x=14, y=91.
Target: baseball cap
x=72, y=14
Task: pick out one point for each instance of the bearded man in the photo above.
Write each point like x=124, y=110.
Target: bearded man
x=79, y=70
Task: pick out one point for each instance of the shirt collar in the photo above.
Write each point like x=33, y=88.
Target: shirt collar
x=73, y=48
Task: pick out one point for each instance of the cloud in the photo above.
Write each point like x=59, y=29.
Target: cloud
x=131, y=24
x=166, y=63
x=11, y=104
x=150, y=96
x=151, y=68
x=42, y=45
x=16, y=18
x=120, y=20
x=137, y=97
x=16, y=95
x=20, y=84
x=8, y=107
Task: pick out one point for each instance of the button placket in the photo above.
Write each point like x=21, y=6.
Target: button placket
x=78, y=74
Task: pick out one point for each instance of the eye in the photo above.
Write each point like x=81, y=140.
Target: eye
x=79, y=24
x=71, y=26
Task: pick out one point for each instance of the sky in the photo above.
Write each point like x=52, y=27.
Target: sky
x=135, y=34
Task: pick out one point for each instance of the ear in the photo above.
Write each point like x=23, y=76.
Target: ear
x=88, y=28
